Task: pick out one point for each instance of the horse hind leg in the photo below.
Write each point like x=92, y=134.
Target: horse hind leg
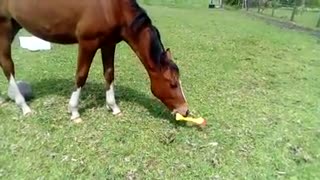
x=8, y=30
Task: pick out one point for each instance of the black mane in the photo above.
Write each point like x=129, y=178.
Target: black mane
x=157, y=50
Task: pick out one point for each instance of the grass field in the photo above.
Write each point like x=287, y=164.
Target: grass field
x=178, y=3
x=257, y=85
x=307, y=19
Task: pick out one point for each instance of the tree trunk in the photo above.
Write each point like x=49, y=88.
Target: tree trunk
x=247, y=5
x=259, y=6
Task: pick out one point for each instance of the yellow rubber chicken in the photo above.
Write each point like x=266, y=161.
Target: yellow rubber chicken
x=198, y=121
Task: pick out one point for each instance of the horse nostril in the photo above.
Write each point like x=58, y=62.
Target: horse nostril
x=188, y=113
x=183, y=110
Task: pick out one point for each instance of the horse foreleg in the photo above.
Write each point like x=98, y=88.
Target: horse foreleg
x=107, y=53
x=86, y=52
x=8, y=30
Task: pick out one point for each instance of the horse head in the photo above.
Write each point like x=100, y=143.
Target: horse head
x=166, y=85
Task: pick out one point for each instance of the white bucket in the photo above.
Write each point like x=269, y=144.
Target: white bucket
x=33, y=43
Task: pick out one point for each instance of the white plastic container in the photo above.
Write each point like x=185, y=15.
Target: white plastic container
x=33, y=43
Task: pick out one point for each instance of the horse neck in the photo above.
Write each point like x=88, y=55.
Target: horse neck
x=142, y=36
x=148, y=47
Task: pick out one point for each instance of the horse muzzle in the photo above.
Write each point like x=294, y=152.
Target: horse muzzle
x=183, y=110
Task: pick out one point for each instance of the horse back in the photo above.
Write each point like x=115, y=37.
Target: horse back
x=60, y=21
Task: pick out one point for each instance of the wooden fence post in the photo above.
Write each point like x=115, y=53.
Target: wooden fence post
x=273, y=7
x=318, y=24
x=293, y=11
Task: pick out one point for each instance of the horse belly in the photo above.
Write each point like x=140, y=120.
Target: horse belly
x=61, y=38
x=52, y=34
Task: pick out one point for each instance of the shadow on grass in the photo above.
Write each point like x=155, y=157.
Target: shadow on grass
x=93, y=95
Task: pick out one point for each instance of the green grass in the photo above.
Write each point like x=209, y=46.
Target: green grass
x=307, y=19
x=178, y=3
x=257, y=85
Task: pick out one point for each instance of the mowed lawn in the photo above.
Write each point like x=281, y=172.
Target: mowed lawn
x=257, y=85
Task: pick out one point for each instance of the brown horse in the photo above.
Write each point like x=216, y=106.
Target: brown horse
x=93, y=25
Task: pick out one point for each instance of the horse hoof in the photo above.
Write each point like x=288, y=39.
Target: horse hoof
x=116, y=111
x=27, y=112
x=77, y=120
x=119, y=114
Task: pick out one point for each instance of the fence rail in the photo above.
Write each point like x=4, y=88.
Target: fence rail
x=302, y=12
x=295, y=12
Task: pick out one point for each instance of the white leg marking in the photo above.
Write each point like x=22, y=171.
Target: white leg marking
x=111, y=101
x=73, y=104
x=19, y=99
x=184, y=97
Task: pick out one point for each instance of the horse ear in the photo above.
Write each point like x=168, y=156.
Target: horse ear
x=168, y=53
